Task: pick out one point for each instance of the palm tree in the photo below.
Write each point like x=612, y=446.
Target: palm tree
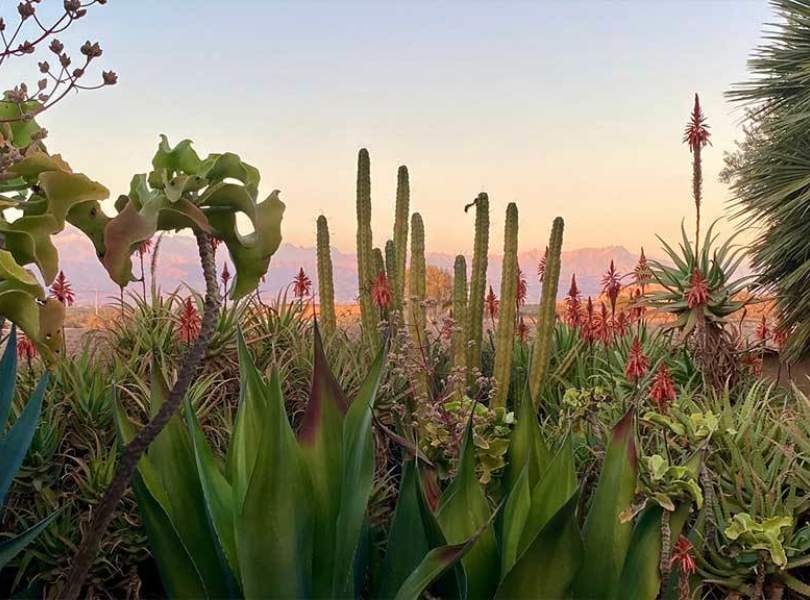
x=770, y=172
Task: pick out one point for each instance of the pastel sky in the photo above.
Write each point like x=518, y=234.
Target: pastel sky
x=568, y=108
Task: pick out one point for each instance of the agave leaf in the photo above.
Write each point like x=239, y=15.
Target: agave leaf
x=548, y=566
x=271, y=521
x=218, y=497
x=526, y=447
x=320, y=439
x=516, y=510
x=8, y=377
x=605, y=538
x=9, y=548
x=554, y=489
x=15, y=443
x=464, y=509
x=358, y=477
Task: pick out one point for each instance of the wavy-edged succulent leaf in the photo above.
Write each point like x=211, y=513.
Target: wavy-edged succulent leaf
x=22, y=130
x=229, y=166
x=547, y=568
x=606, y=539
x=90, y=219
x=20, y=308
x=37, y=162
x=167, y=161
x=463, y=510
x=51, y=322
x=29, y=241
x=250, y=253
x=65, y=189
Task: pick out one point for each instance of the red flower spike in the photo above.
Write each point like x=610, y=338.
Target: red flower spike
x=380, y=291
x=225, y=276
x=62, y=291
x=26, y=350
x=637, y=362
x=642, y=273
x=638, y=309
x=522, y=330
x=189, y=326
x=491, y=302
x=144, y=247
x=573, y=304
x=541, y=266
x=697, y=294
x=611, y=286
x=696, y=133
x=520, y=290
x=302, y=285
x=682, y=556
x=622, y=324
x=662, y=391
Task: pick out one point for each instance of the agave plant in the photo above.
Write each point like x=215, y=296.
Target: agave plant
x=283, y=514
x=535, y=547
x=15, y=442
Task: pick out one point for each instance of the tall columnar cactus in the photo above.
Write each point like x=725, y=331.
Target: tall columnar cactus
x=460, y=321
x=401, y=234
x=418, y=285
x=377, y=264
x=478, y=281
x=505, y=336
x=546, y=313
x=391, y=271
x=364, y=248
x=326, y=286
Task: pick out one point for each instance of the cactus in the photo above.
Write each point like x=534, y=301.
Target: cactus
x=326, y=286
x=417, y=320
x=391, y=271
x=364, y=248
x=478, y=281
x=417, y=282
x=459, y=344
x=377, y=263
x=505, y=335
x=401, y=235
x=546, y=312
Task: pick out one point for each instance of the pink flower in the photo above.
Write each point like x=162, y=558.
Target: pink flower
x=302, y=285
x=189, y=322
x=696, y=133
x=662, y=391
x=62, y=291
x=637, y=362
x=697, y=294
x=491, y=302
x=611, y=286
x=380, y=291
x=573, y=304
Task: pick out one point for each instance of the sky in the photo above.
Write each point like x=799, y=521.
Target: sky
x=567, y=108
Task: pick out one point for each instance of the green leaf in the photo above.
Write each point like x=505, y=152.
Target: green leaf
x=358, y=477
x=515, y=513
x=527, y=447
x=605, y=538
x=271, y=520
x=8, y=376
x=9, y=548
x=549, y=565
x=15, y=443
x=464, y=509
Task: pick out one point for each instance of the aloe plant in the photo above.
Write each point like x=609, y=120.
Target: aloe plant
x=15, y=442
x=282, y=514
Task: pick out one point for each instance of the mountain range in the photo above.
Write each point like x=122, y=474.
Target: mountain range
x=177, y=265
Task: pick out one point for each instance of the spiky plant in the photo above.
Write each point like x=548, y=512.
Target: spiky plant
x=417, y=318
x=326, y=285
x=391, y=273
x=769, y=177
x=365, y=255
x=546, y=312
x=459, y=339
x=696, y=135
x=400, y=242
x=478, y=280
x=505, y=336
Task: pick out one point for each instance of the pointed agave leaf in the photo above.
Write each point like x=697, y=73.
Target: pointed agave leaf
x=549, y=565
x=464, y=509
x=556, y=486
x=526, y=447
x=218, y=495
x=8, y=377
x=358, y=477
x=515, y=513
x=271, y=522
x=321, y=441
x=14, y=445
x=9, y=548
x=606, y=539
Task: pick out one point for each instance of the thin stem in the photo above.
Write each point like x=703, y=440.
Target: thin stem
x=104, y=512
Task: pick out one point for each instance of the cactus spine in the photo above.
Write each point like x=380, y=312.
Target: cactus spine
x=391, y=269
x=364, y=248
x=546, y=312
x=505, y=335
x=400, y=245
x=378, y=264
x=326, y=287
x=460, y=322
x=478, y=281
x=418, y=286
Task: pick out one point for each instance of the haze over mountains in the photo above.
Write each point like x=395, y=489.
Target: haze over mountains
x=178, y=265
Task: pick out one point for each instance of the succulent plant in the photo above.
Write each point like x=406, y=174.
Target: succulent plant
x=326, y=285
x=505, y=335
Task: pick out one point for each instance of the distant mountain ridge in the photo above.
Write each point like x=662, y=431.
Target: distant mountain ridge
x=177, y=265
